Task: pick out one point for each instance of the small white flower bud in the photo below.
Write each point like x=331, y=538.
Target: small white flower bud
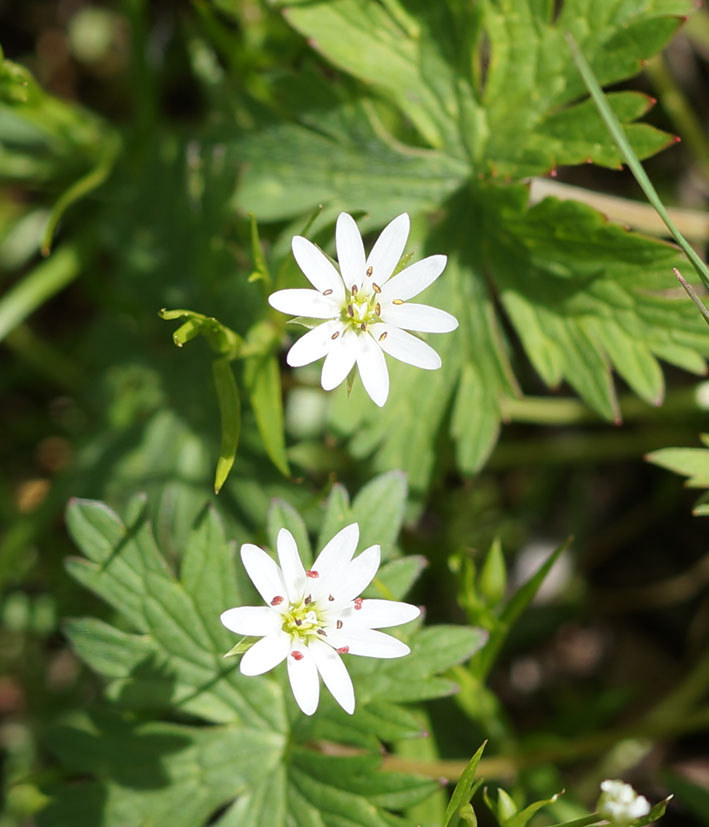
x=620, y=804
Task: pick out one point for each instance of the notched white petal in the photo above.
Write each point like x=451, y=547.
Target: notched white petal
x=413, y=279
x=334, y=674
x=371, y=644
x=405, y=347
x=265, y=654
x=255, y=621
x=336, y=555
x=382, y=614
x=339, y=361
x=373, y=369
x=300, y=301
x=315, y=344
x=350, y=250
x=291, y=565
x=317, y=267
x=264, y=574
x=303, y=677
x=387, y=250
x=358, y=575
x=419, y=317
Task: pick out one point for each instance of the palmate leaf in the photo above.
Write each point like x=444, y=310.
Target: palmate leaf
x=251, y=757
x=417, y=54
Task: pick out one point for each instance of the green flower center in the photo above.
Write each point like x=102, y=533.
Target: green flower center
x=303, y=620
x=360, y=310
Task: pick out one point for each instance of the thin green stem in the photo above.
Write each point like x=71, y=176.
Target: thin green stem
x=47, y=279
x=631, y=158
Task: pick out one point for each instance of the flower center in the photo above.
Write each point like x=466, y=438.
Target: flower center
x=360, y=309
x=303, y=620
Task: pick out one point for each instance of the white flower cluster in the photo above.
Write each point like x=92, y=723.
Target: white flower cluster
x=620, y=804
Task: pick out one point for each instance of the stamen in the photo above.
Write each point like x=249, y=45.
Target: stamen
x=354, y=289
x=376, y=287
x=398, y=301
x=327, y=292
x=330, y=597
x=296, y=655
x=363, y=326
x=277, y=600
x=298, y=622
x=378, y=309
x=308, y=600
x=339, y=624
x=312, y=574
x=383, y=336
x=335, y=334
x=321, y=632
x=358, y=603
x=370, y=270
x=343, y=650
x=350, y=309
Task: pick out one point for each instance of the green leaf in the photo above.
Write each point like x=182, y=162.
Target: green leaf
x=263, y=381
x=220, y=338
x=397, y=56
x=342, y=160
x=464, y=790
x=690, y=462
x=230, y=416
x=379, y=510
x=512, y=609
x=493, y=574
x=521, y=818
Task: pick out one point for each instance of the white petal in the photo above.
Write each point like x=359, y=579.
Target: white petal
x=255, y=621
x=411, y=281
x=317, y=267
x=334, y=674
x=264, y=655
x=419, y=317
x=301, y=302
x=303, y=676
x=405, y=347
x=350, y=250
x=336, y=554
x=314, y=344
x=373, y=369
x=264, y=573
x=340, y=360
x=291, y=565
x=355, y=578
x=387, y=250
x=371, y=644
x=380, y=614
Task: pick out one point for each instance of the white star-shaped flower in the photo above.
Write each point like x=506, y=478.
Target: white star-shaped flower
x=367, y=312
x=313, y=617
x=620, y=804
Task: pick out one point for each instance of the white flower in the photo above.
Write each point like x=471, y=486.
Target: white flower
x=367, y=311
x=620, y=804
x=313, y=617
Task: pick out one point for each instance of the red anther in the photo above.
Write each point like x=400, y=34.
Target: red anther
x=296, y=655
x=343, y=650
x=277, y=600
x=339, y=624
x=308, y=600
x=358, y=603
x=312, y=574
